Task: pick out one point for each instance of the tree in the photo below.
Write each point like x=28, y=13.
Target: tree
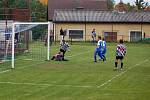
x=130, y=7
x=111, y=4
x=140, y=4
x=38, y=11
x=21, y=4
x=44, y=2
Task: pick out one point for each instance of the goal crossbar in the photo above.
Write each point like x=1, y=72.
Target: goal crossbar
x=29, y=23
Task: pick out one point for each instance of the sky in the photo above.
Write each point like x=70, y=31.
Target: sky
x=130, y=1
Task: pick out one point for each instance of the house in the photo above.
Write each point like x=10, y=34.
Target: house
x=75, y=4
x=113, y=25
x=120, y=7
x=7, y=17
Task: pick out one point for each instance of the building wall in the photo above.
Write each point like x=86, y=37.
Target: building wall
x=122, y=30
x=146, y=29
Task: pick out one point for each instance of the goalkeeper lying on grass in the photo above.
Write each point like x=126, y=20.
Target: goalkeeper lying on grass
x=57, y=57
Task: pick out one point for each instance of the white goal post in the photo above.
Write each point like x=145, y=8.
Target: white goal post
x=29, y=23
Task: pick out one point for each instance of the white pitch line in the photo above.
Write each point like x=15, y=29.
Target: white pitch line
x=4, y=71
x=79, y=86
x=116, y=76
x=49, y=85
x=20, y=68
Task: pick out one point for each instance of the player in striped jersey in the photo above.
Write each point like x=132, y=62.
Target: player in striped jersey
x=120, y=53
x=63, y=48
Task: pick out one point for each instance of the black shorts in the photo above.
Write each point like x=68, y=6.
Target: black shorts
x=61, y=50
x=119, y=57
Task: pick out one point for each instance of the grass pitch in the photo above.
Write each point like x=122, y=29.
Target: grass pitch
x=80, y=78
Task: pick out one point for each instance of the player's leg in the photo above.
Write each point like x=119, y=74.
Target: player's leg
x=116, y=62
x=103, y=54
x=63, y=55
x=121, y=63
x=100, y=54
x=92, y=39
x=53, y=58
x=95, y=53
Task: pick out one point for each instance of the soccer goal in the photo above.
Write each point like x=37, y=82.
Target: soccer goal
x=27, y=41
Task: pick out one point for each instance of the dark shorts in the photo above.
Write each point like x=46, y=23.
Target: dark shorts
x=61, y=50
x=119, y=57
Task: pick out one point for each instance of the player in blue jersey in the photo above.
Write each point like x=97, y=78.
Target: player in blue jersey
x=103, y=49
x=98, y=50
x=120, y=53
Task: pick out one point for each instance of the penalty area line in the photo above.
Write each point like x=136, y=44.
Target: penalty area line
x=118, y=75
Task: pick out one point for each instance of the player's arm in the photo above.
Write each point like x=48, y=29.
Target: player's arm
x=125, y=50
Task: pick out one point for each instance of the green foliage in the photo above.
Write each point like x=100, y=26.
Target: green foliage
x=21, y=4
x=7, y=3
x=130, y=7
x=37, y=9
x=141, y=4
x=111, y=4
x=39, y=31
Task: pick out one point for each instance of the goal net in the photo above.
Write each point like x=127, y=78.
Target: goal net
x=24, y=42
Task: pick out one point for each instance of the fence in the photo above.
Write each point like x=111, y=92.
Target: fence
x=109, y=38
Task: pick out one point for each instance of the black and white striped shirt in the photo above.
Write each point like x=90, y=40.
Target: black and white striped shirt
x=121, y=50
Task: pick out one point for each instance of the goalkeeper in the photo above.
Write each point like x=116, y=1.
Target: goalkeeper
x=57, y=57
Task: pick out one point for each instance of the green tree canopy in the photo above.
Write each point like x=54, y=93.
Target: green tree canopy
x=140, y=4
x=111, y=4
x=130, y=7
x=38, y=11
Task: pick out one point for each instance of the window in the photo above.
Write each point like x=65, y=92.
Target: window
x=110, y=36
x=135, y=36
x=76, y=34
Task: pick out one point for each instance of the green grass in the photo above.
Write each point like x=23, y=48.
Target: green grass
x=79, y=78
